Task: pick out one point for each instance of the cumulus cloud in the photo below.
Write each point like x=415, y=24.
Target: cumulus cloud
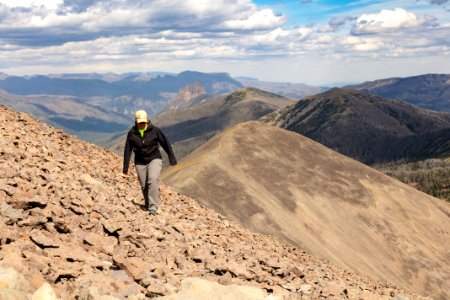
x=363, y=44
x=389, y=21
x=49, y=4
x=77, y=6
x=275, y=39
x=262, y=19
x=58, y=22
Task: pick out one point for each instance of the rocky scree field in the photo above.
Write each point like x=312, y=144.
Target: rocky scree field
x=72, y=226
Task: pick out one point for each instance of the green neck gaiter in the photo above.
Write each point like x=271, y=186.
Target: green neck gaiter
x=141, y=131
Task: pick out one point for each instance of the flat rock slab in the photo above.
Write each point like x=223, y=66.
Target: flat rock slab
x=197, y=288
x=134, y=266
x=43, y=241
x=11, y=213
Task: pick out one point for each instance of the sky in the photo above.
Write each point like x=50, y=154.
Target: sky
x=315, y=42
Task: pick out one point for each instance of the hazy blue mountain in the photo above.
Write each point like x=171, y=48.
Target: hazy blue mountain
x=286, y=89
x=431, y=91
x=116, y=94
x=93, y=86
x=91, y=123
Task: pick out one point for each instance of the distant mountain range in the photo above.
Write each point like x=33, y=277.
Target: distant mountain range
x=368, y=128
x=191, y=107
x=134, y=85
x=220, y=112
x=279, y=182
x=87, y=121
x=431, y=91
x=96, y=107
x=111, y=77
x=122, y=94
x=193, y=123
x=287, y=89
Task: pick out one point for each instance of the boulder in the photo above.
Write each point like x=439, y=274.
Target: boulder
x=94, y=239
x=11, y=279
x=29, y=200
x=134, y=266
x=45, y=292
x=10, y=213
x=7, y=236
x=105, y=285
x=196, y=288
x=305, y=289
x=10, y=294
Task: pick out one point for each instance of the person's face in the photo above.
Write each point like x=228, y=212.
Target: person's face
x=141, y=125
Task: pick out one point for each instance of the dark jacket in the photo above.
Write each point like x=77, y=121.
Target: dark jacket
x=146, y=148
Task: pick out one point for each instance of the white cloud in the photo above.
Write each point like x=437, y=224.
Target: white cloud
x=49, y=4
x=368, y=45
x=277, y=37
x=91, y=19
x=262, y=19
x=387, y=21
x=362, y=44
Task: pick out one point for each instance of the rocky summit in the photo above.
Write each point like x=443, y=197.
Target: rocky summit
x=72, y=227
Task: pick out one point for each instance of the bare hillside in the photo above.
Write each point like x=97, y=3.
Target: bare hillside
x=279, y=182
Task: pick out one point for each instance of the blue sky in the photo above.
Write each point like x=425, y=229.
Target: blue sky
x=309, y=41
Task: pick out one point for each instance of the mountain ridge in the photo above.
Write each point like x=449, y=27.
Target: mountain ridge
x=430, y=91
x=188, y=127
x=286, y=89
x=279, y=182
x=366, y=127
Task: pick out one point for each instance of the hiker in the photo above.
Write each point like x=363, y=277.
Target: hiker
x=143, y=139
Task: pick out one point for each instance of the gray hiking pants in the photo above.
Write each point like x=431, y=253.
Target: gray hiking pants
x=149, y=179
